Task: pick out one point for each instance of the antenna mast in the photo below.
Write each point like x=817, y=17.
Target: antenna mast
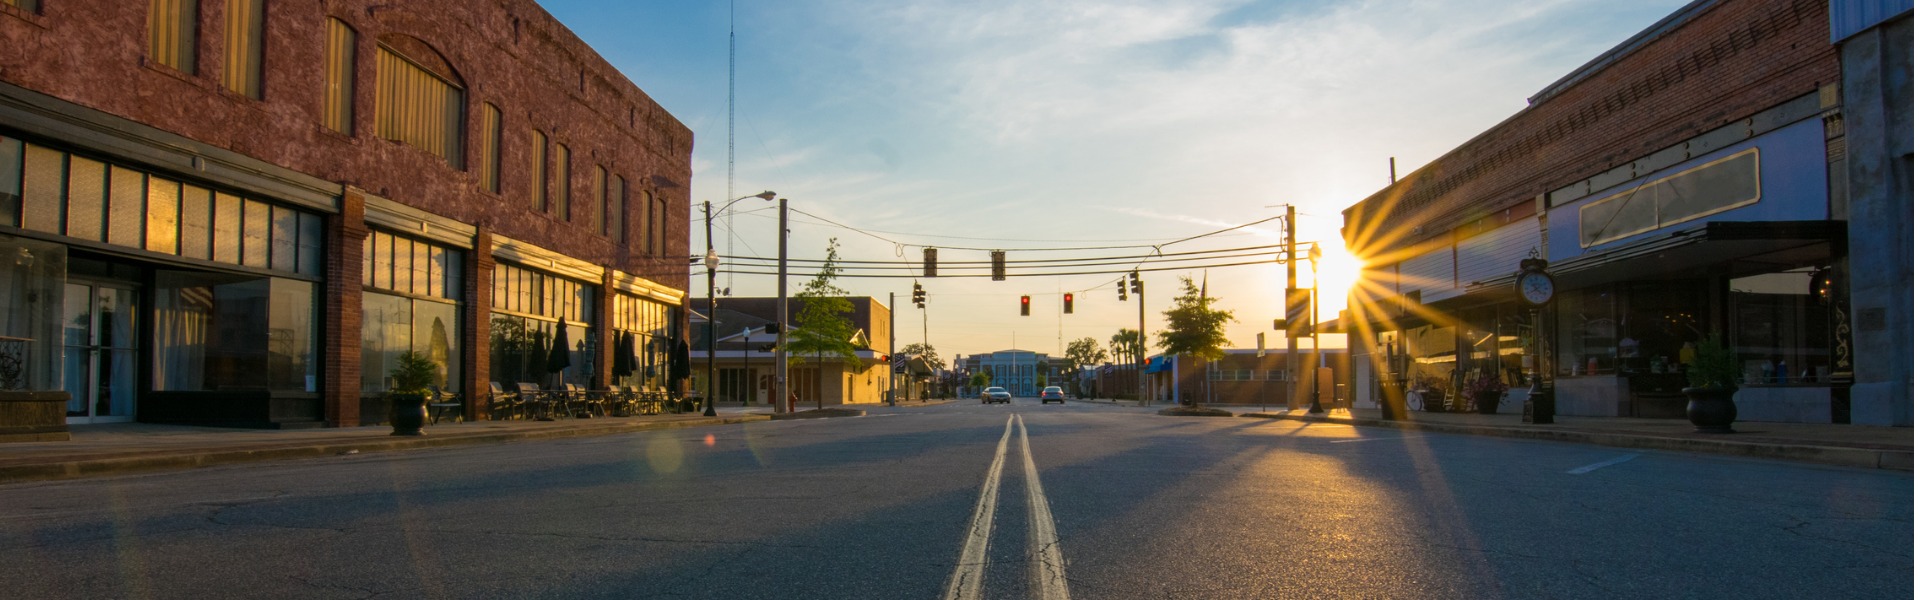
x=730, y=71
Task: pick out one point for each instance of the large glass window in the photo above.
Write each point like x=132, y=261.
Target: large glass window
x=1781, y=335
x=530, y=308
x=653, y=326
x=228, y=332
x=91, y=200
x=1589, y=334
x=410, y=305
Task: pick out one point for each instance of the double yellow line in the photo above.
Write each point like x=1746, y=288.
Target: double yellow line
x=1046, y=570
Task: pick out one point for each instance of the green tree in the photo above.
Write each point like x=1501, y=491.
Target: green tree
x=980, y=380
x=925, y=351
x=1194, y=328
x=1128, y=346
x=1083, y=352
x=821, y=329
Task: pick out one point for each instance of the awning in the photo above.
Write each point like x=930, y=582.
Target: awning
x=1159, y=363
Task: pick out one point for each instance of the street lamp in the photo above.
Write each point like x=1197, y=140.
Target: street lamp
x=713, y=265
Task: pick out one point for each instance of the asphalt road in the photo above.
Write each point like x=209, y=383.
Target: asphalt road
x=1020, y=501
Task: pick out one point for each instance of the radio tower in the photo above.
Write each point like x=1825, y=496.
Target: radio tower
x=730, y=69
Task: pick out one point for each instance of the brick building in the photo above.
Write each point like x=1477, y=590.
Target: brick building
x=242, y=211
x=1691, y=181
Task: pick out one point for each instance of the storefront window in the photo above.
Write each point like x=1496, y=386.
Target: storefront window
x=1657, y=321
x=411, y=304
x=530, y=307
x=1780, y=334
x=652, y=325
x=1434, y=356
x=226, y=332
x=1589, y=335
x=32, y=275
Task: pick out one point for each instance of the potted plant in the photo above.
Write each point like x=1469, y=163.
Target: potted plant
x=1714, y=376
x=1486, y=389
x=408, y=397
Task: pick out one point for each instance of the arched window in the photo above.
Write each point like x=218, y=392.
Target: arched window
x=421, y=101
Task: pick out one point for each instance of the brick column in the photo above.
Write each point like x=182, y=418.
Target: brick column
x=603, y=333
x=476, y=325
x=340, y=311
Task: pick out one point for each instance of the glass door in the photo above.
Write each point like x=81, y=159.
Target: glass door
x=99, y=336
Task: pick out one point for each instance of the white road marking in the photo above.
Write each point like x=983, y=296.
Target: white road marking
x=1603, y=464
x=1047, y=569
x=967, y=575
x=1374, y=439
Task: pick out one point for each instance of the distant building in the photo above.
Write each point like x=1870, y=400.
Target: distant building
x=744, y=365
x=1020, y=371
x=1244, y=377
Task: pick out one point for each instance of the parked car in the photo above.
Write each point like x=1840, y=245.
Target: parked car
x=996, y=394
x=1053, y=393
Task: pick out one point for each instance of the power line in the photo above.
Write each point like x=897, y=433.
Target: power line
x=1035, y=261
x=1057, y=274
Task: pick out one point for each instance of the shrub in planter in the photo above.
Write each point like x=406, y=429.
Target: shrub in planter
x=1714, y=376
x=408, y=398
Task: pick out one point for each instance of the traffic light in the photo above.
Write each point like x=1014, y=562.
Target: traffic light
x=1069, y=303
x=1121, y=287
x=1026, y=305
x=1135, y=277
x=919, y=296
x=929, y=259
x=999, y=265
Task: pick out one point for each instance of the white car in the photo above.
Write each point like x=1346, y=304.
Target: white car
x=995, y=394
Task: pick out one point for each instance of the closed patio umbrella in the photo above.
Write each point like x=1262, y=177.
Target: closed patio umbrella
x=558, y=358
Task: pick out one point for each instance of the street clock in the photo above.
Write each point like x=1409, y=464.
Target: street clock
x=1533, y=283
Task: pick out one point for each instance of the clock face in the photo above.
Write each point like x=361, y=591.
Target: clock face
x=1536, y=288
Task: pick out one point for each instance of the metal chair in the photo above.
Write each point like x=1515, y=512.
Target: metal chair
x=439, y=402
x=539, y=404
x=501, y=404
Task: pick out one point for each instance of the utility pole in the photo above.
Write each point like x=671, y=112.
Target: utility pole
x=780, y=343
x=889, y=350
x=1293, y=348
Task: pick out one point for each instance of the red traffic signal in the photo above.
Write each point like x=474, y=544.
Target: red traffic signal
x=1069, y=304
x=1026, y=305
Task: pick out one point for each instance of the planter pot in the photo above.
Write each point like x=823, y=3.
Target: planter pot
x=1487, y=403
x=407, y=413
x=1711, y=409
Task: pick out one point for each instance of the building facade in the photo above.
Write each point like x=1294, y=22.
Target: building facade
x=242, y=212
x=1022, y=372
x=1688, y=185
x=744, y=357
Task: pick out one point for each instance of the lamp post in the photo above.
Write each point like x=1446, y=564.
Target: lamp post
x=713, y=265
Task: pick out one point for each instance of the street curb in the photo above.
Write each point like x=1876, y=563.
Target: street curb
x=1892, y=460
x=139, y=463
x=820, y=413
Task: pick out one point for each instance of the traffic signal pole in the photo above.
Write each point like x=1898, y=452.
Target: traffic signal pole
x=1140, y=294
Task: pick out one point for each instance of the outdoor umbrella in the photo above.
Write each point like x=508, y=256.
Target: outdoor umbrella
x=679, y=365
x=623, y=355
x=558, y=358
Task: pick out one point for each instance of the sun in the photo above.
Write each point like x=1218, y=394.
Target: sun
x=1338, y=270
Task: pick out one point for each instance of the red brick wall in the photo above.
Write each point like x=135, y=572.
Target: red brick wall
x=510, y=53
x=1735, y=59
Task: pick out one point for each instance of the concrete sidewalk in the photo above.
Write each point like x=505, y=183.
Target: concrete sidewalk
x=118, y=448
x=1844, y=445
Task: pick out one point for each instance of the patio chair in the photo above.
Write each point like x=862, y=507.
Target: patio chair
x=501, y=404
x=439, y=403
x=539, y=404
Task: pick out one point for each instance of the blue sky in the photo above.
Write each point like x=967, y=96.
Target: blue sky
x=1045, y=123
